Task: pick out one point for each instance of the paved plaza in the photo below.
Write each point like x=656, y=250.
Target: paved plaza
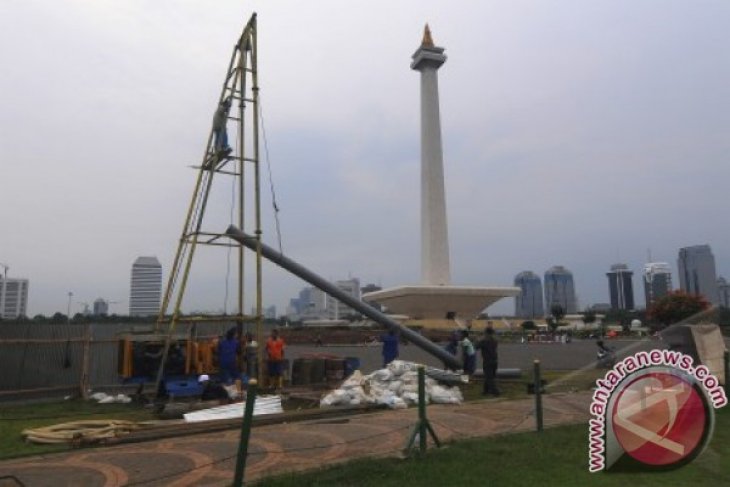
x=209, y=459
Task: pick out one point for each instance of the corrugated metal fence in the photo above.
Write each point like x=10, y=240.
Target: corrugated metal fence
x=44, y=357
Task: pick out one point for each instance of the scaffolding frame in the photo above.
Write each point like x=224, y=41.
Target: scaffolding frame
x=241, y=86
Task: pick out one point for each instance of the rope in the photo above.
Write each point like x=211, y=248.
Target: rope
x=271, y=178
x=232, y=211
x=73, y=431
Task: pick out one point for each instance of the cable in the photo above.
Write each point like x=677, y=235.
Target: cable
x=233, y=204
x=271, y=179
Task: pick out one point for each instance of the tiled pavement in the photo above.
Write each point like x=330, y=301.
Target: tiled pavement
x=209, y=459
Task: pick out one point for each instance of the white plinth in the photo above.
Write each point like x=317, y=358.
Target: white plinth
x=435, y=302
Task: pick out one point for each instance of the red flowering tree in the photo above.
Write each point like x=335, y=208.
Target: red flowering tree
x=675, y=307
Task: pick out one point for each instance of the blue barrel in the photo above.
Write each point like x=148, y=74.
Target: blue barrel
x=351, y=365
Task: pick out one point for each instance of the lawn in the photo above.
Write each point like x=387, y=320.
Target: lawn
x=14, y=419
x=556, y=457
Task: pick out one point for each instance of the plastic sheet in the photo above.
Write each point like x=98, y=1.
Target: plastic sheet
x=263, y=405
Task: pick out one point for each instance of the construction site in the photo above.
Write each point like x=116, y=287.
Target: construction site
x=210, y=400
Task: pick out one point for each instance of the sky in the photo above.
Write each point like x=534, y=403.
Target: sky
x=575, y=133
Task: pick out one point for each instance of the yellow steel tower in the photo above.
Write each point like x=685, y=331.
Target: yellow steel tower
x=238, y=108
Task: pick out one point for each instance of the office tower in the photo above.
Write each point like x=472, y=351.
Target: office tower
x=559, y=289
x=723, y=292
x=528, y=304
x=696, y=266
x=101, y=307
x=146, y=287
x=620, y=287
x=268, y=312
x=13, y=298
x=316, y=306
x=337, y=310
x=657, y=281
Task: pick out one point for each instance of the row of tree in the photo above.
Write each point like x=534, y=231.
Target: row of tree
x=673, y=308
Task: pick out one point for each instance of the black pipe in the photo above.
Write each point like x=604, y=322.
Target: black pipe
x=298, y=270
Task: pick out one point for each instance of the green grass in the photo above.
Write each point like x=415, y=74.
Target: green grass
x=556, y=457
x=14, y=419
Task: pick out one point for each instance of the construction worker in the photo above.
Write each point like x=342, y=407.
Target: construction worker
x=469, y=355
x=212, y=391
x=220, y=122
x=390, y=347
x=488, y=346
x=252, y=357
x=228, y=350
x=275, y=357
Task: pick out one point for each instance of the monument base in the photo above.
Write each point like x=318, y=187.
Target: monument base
x=439, y=302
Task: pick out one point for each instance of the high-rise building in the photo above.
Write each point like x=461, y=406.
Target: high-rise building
x=697, y=271
x=316, y=306
x=337, y=310
x=620, y=287
x=657, y=281
x=101, y=307
x=560, y=289
x=146, y=287
x=268, y=312
x=13, y=298
x=723, y=292
x=528, y=304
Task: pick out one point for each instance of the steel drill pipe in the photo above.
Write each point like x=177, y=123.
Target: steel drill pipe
x=300, y=271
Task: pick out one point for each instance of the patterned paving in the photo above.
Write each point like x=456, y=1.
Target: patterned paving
x=208, y=459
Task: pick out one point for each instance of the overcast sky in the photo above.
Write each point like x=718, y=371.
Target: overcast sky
x=575, y=133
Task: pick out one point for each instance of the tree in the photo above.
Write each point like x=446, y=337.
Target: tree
x=676, y=306
x=589, y=317
x=58, y=318
x=558, y=313
x=528, y=325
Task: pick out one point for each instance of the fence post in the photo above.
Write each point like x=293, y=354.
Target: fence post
x=423, y=427
x=727, y=371
x=245, y=433
x=538, y=396
x=84, y=383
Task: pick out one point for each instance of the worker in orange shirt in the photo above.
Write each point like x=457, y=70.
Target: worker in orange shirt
x=275, y=357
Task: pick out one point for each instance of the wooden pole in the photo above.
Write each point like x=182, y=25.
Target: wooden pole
x=85, y=362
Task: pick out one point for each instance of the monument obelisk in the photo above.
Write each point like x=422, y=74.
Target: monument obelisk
x=435, y=268
x=435, y=297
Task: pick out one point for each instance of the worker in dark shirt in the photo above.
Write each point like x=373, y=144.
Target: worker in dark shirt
x=390, y=347
x=488, y=346
x=212, y=391
x=228, y=351
x=220, y=121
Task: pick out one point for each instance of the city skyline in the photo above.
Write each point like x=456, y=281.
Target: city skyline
x=604, y=124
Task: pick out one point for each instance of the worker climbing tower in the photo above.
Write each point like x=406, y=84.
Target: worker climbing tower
x=237, y=109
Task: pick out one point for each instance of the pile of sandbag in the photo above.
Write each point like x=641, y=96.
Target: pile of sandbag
x=104, y=398
x=395, y=386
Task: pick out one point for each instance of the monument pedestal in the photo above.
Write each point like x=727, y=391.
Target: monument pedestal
x=439, y=302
